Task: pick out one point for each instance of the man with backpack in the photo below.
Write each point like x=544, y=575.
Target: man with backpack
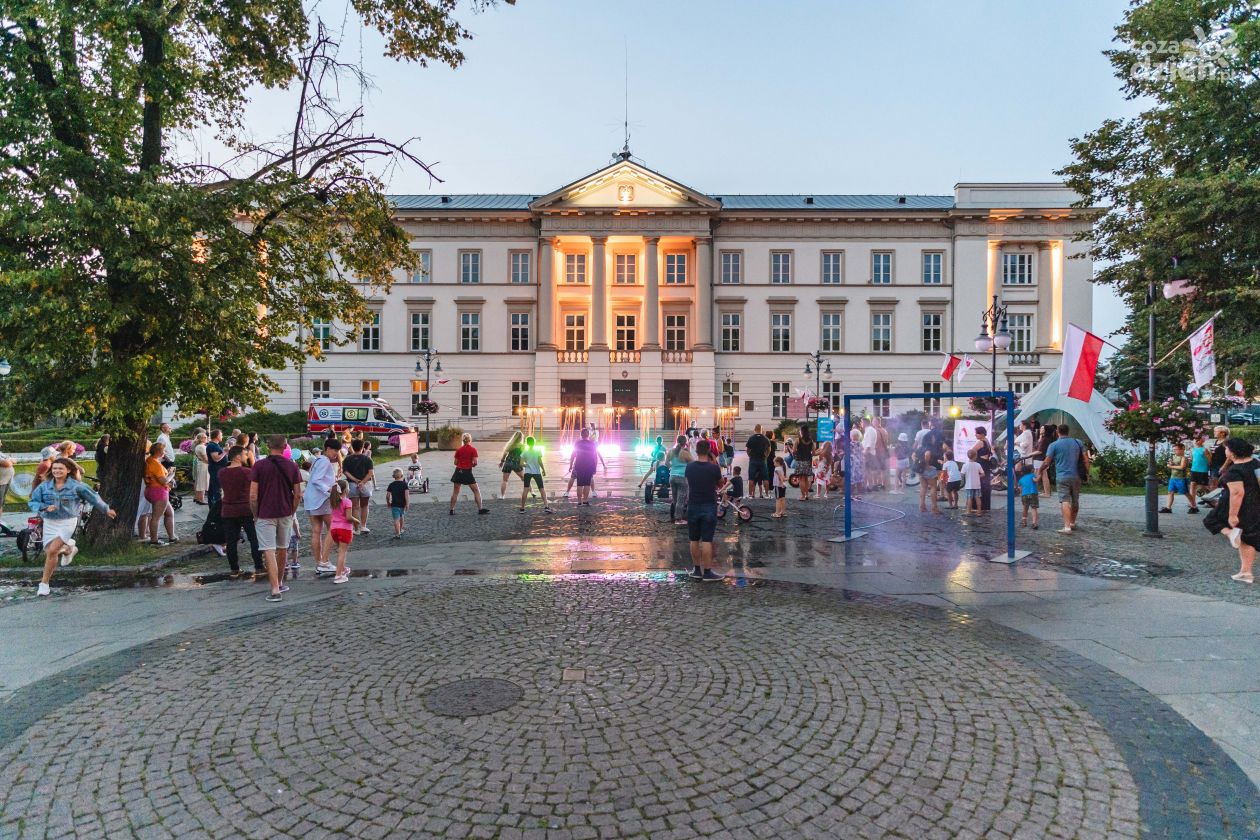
x=1071, y=466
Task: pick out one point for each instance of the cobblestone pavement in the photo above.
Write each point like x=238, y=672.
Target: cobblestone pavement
x=650, y=707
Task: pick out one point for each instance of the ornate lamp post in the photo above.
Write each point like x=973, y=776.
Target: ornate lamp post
x=428, y=359
x=820, y=366
x=994, y=336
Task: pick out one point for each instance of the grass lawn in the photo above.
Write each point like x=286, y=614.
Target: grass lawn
x=1100, y=490
x=135, y=554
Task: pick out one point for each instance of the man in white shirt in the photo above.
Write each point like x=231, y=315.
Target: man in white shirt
x=164, y=437
x=7, y=472
x=1024, y=442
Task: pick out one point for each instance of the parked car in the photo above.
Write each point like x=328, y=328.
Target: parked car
x=1249, y=416
x=372, y=417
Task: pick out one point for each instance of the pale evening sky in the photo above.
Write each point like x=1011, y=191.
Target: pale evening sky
x=905, y=96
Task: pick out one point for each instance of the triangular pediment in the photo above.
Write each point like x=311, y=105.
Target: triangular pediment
x=625, y=185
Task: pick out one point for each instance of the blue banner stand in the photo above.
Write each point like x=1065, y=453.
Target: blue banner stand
x=1011, y=555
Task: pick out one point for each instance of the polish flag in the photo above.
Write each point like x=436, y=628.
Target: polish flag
x=951, y=364
x=1192, y=389
x=1238, y=387
x=442, y=381
x=967, y=362
x=1081, y=350
x=1135, y=398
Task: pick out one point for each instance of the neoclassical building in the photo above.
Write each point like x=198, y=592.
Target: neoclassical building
x=627, y=289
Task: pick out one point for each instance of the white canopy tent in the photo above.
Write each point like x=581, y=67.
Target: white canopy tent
x=1089, y=416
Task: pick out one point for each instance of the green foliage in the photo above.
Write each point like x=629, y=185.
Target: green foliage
x=262, y=422
x=787, y=428
x=447, y=437
x=1115, y=467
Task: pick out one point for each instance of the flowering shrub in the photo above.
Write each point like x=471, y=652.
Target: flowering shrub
x=1154, y=422
x=426, y=407
x=187, y=446
x=79, y=449
x=392, y=440
x=984, y=404
x=819, y=404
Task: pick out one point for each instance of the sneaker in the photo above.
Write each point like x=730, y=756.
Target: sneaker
x=710, y=576
x=220, y=550
x=696, y=573
x=1165, y=510
x=451, y=512
x=1065, y=530
x=295, y=565
x=1193, y=510
x=274, y=597
x=1235, y=536
x=68, y=556
x=483, y=511
x=43, y=591
x=548, y=510
x=365, y=530
x=1243, y=577
x=520, y=510
x=157, y=544
x=325, y=569
x=172, y=540
x=1034, y=527
x=284, y=588
x=341, y=579
x=680, y=521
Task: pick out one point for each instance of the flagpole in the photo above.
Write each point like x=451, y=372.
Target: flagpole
x=1184, y=340
x=1152, y=479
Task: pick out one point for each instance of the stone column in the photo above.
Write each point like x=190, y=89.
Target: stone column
x=652, y=299
x=599, y=294
x=1042, y=321
x=546, y=293
x=704, y=293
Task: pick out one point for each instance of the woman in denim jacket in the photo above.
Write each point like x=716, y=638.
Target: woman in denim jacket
x=57, y=502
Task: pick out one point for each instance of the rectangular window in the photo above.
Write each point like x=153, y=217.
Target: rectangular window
x=626, y=273
x=519, y=331
x=423, y=273
x=932, y=331
x=881, y=332
x=575, y=268
x=520, y=266
x=730, y=395
x=574, y=332
x=832, y=267
x=881, y=267
x=881, y=406
x=419, y=393
x=832, y=340
x=321, y=331
x=370, y=388
x=675, y=269
x=932, y=405
x=470, y=331
x=520, y=397
x=420, y=322
x=932, y=262
x=780, y=332
x=1017, y=269
x=675, y=332
x=780, y=267
x=320, y=389
x=468, y=399
x=834, y=395
x=778, y=399
x=731, y=331
x=370, y=338
x=1021, y=388
x=470, y=266
x=732, y=268
x=1021, y=327
x=626, y=332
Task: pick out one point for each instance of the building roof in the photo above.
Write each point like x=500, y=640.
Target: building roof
x=512, y=201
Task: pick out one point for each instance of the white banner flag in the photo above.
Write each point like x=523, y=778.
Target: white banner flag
x=1202, y=354
x=967, y=362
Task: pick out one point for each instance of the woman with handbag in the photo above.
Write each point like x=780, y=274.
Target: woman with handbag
x=1237, y=513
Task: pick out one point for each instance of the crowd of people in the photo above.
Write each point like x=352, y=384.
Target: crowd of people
x=254, y=498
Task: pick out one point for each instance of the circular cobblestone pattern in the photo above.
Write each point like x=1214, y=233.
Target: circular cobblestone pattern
x=651, y=707
x=469, y=698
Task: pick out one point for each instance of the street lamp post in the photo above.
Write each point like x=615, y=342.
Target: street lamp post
x=430, y=355
x=993, y=337
x=818, y=361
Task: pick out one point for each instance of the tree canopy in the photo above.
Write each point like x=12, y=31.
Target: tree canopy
x=131, y=278
x=1181, y=180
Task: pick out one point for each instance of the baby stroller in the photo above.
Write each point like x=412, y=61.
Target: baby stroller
x=416, y=481
x=658, y=487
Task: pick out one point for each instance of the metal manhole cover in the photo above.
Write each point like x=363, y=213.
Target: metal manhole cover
x=472, y=697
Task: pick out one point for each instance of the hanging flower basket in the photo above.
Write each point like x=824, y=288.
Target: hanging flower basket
x=426, y=407
x=1168, y=421
x=819, y=404
x=984, y=404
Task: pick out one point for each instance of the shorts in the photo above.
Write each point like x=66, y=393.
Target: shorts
x=701, y=522
x=535, y=478
x=1178, y=485
x=463, y=477
x=364, y=492
x=929, y=473
x=397, y=513
x=1070, y=490
x=903, y=463
x=1037, y=466
x=1031, y=501
x=323, y=510
x=973, y=494
x=273, y=533
x=153, y=495
x=780, y=492
x=1199, y=477
x=584, y=478
x=757, y=471
x=342, y=535
x=953, y=486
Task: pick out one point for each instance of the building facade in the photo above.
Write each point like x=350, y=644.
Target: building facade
x=628, y=290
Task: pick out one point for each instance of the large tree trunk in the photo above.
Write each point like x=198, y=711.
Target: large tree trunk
x=121, y=478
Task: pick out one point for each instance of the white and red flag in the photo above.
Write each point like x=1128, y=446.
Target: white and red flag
x=965, y=366
x=949, y=366
x=1203, y=353
x=1081, y=350
x=441, y=382
x=1135, y=398
x=1238, y=387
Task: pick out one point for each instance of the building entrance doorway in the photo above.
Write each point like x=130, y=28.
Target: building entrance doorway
x=573, y=395
x=677, y=396
x=625, y=397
